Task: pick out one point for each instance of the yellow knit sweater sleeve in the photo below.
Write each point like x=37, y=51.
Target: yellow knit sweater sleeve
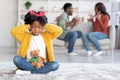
x=19, y=32
x=53, y=31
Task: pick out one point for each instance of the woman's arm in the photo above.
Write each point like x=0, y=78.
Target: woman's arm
x=105, y=23
x=53, y=31
x=93, y=23
x=19, y=32
x=92, y=19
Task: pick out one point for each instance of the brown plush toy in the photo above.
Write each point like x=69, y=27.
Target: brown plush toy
x=36, y=60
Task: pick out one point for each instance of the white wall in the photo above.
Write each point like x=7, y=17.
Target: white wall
x=114, y=13
x=8, y=18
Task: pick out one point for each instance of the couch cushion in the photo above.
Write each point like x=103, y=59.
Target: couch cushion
x=79, y=42
x=102, y=42
x=59, y=43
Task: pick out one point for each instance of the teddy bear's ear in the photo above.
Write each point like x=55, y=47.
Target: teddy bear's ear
x=32, y=53
x=38, y=50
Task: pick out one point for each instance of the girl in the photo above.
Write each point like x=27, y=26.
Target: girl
x=35, y=34
x=100, y=29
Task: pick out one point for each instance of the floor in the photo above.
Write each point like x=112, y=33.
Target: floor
x=66, y=71
x=7, y=54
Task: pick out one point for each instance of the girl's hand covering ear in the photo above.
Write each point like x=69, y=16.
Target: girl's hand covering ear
x=29, y=28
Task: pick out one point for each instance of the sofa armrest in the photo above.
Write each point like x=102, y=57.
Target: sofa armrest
x=112, y=36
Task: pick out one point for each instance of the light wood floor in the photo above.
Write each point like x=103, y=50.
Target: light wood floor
x=7, y=54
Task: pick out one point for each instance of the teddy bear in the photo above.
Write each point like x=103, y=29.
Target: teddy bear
x=36, y=60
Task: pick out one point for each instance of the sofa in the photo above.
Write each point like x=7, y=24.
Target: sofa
x=106, y=44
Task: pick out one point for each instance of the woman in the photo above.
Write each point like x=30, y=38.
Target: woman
x=100, y=24
x=36, y=34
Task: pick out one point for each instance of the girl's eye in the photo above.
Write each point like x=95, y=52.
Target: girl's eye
x=36, y=26
x=39, y=27
x=33, y=26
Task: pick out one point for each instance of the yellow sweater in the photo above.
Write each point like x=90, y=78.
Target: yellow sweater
x=23, y=36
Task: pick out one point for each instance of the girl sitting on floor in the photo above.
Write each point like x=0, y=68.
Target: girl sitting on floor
x=35, y=34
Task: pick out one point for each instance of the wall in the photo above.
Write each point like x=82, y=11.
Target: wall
x=114, y=12
x=8, y=18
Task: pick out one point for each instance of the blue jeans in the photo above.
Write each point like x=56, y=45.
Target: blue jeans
x=93, y=37
x=71, y=38
x=22, y=64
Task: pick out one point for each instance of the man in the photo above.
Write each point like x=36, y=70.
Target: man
x=68, y=35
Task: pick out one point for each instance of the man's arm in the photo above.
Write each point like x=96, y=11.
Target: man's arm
x=62, y=22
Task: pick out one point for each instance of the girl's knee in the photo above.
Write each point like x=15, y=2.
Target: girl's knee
x=55, y=66
x=17, y=59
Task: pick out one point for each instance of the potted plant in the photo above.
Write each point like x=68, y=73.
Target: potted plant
x=28, y=4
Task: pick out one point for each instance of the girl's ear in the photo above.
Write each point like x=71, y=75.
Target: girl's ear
x=43, y=27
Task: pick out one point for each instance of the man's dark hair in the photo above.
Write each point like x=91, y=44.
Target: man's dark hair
x=29, y=19
x=66, y=6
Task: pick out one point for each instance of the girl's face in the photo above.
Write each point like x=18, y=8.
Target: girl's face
x=36, y=28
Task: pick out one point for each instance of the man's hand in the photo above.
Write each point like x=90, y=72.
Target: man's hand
x=74, y=22
x=69, y=24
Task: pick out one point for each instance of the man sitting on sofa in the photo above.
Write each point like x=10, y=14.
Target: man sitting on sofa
x=68, y=35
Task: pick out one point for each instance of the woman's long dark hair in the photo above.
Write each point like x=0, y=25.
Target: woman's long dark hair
x=101, y=7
